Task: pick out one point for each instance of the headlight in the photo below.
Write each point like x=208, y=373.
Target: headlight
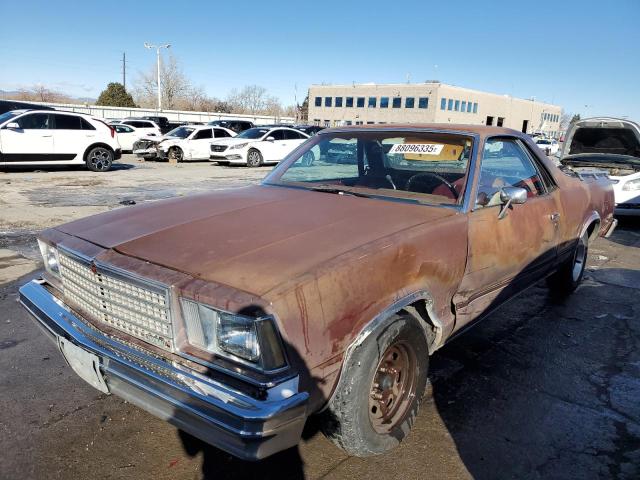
x=631, y=185
x=252, y=341
x=50, y=258
x=240, y=145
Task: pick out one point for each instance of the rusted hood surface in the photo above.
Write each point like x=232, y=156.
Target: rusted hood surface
x=252, y=238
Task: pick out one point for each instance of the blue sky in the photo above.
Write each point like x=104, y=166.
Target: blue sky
x=573, y=53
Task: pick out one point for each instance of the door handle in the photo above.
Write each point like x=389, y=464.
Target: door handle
x=47, y=136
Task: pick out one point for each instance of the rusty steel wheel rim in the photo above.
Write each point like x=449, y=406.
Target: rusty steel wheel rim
x=393, y=387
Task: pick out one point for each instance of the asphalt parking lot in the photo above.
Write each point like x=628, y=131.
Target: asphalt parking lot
x=541, y=389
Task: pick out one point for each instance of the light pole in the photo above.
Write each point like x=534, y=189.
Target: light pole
x=158, y=47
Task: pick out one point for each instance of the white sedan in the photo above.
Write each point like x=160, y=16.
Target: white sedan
x=548, y=145
x=191, y=142
x=257, y=146
x=127, y=135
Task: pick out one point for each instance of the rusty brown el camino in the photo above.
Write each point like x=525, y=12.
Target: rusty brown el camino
x=237, y=314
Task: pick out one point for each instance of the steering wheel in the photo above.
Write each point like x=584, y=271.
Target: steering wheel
x=441, y=179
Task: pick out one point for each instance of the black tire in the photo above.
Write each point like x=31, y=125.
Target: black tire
x=569, y=275
x=254, y=158
x=175, y=153
x=99, y=159
x=308, y=158
x=352, y=420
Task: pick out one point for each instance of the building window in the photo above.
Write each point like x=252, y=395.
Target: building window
x=327, y=101
x=370, y=123
x=360, y=103
x=358, y=122
x=423, y=102
x=408, y=102
x=316, y=122
x=327, y=123
x=443, y=104
x=318, y=101
x=372, y=102
x=456, y=106
x=349, y=102
x=384, y=102
x=338, y=101
x=500, y=122
x=469, y=107
x=450, y=104
x=397, y=102
x=475, y=107
x=463, y=106
x=348, y=122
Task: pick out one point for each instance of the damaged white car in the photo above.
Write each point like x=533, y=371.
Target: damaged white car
x=188, y=142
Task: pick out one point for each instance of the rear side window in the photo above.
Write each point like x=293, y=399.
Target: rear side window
x=34, y=121
x=277, y=134
x=87, y=126
x=203, y=134
x=291, y=135
x=219, y=133
x=66, y=122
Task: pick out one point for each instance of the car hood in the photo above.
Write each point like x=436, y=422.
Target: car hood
x=251, y=238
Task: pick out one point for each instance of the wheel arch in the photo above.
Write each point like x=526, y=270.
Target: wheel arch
x=420, y=305
x=591, y=226
x=97, y=144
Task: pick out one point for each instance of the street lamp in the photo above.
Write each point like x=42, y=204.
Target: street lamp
x=158, y=47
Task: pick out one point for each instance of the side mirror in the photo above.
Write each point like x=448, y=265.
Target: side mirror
x=270, y=139
x=12, y=126
x=511, y=196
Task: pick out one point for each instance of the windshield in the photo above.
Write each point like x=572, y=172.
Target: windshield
x=424, y=167
x=9, y=115
x=543, y=142
x=180, y=132
x=253, y=133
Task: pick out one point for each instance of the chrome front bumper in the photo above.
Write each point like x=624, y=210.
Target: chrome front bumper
x=232, y=421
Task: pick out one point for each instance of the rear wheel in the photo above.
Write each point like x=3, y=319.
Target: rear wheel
x=254, y=158
x=99, y=159
x=380, y=389
x=569, y=275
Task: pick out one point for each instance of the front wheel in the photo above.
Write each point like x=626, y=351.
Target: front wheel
x=99, y=159
x=380, y=389
x=175, y=154
x=569, y=275
x=254, y=158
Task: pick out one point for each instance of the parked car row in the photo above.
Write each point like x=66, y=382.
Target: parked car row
x=219, y=141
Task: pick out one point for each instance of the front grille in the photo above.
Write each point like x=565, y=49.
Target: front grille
x=218, y=148
x=130, y=305
x=144, y=144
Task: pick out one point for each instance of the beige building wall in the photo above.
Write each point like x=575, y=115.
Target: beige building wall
x=461, y=105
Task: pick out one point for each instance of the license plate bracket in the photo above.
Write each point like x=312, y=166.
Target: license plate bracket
x=84, y=363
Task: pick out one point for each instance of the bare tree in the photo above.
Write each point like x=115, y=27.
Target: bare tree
x=175, y=85
x=41, y=93
x=251, y=99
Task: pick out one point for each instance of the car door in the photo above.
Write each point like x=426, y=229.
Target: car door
x=292, y=140
x=507, y=253
x=200, y=144
x=127, y=135
x=72, y=135
x=272, y=149
x=31, y=142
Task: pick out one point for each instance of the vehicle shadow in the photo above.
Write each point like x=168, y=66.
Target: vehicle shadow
x=287, y=464
x=116, y=166
x=628, y=231
x=545, y=387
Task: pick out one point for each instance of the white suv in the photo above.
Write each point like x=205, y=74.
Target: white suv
x=146, y=127
x=47, y=137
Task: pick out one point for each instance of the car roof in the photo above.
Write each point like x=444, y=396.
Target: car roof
x=482, y=130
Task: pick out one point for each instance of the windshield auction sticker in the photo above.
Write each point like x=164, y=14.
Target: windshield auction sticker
x=420, y=148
